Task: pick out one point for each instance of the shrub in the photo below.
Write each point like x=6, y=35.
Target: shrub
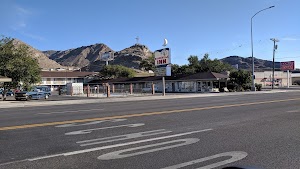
x=247, y=87
x=258, y=86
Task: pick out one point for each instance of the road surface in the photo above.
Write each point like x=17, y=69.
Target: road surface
x=258, y=131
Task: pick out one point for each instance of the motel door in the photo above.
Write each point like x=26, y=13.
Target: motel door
x=173, y=87
x=199, y=87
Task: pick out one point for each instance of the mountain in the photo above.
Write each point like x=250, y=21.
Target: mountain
x=78, y=57
x=88, y=57
x=132, y=56
x=43, y=60
x=246, y=63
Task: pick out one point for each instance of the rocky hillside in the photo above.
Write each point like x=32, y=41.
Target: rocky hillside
x=132, y=56
x=78, y=57
x=246, y=63
x=88, y=57
x=43, y=60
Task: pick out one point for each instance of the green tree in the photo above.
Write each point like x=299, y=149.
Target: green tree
x=208, y=65
x=148, y=63
x=116, y=71
x=193, y=61
x=16, y=62
x=241, y=77
x=184, y=69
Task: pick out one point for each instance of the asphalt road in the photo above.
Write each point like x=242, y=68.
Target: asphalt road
x=258, y=131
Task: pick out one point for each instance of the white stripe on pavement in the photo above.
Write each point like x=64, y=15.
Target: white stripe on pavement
x=235, y=156
x=117, y=145
x=122, y=153
x=122, y=137
x=90, y=123
x=70, y=111
x=87, y=131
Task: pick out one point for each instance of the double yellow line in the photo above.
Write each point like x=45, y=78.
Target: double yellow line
x=140, y=115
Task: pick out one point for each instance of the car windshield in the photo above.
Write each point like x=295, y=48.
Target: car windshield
x=149, y=84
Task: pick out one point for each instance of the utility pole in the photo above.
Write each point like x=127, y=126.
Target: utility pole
x=274, y=49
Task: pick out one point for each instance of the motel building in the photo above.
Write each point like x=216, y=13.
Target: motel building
x=55, y=79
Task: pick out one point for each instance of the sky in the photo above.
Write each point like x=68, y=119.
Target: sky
x=220, y=28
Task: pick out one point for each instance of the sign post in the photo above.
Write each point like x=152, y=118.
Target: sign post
x=288, y=78
x=162, y=63
x=287, y=66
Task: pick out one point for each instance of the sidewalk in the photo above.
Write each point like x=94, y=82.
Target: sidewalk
x=12, y=104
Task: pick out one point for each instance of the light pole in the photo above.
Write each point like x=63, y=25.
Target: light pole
x=253, y=84
x=274, y=49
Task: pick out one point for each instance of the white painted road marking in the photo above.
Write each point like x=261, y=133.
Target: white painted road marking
x=117, y=145
x=122, y=137
x=70, y=111
x=120, y=154
x=90, y=123
x=87, y=131
x=235, y=156
x=293, y=111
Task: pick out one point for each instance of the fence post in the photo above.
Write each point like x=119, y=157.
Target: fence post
x=131, y=88
x=88, y=91
x=108, y=90
x=71, y=90
x=153, y=88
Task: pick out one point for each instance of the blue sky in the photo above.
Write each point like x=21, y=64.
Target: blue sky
x=192, y=27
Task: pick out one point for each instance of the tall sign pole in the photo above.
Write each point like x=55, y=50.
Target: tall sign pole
x=288, y=78
x=162, y=63
x=163, y=78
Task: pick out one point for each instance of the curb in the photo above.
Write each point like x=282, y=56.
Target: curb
x=13, y=104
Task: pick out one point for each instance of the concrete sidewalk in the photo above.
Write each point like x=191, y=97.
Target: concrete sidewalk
x=12, y=104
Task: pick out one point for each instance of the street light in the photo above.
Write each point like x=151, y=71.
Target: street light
x=253, y=84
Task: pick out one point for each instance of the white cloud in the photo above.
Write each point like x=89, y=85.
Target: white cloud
x=290, y=39
x=22, y=15
x=22, y=11
x=21, y=24
x=32, y=36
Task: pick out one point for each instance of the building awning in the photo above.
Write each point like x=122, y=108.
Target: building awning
x=207, y=76
x=5, y=79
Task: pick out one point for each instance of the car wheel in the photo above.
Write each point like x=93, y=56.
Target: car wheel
x=29, y=98
x=18, y=99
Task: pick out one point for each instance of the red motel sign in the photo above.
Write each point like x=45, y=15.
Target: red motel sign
x=287, y=65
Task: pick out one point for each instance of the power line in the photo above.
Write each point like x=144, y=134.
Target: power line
x=288, y=57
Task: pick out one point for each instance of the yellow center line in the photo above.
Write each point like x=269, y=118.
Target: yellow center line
x=139, y=115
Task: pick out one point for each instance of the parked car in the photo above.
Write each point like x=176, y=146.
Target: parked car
x=45, y=89
x=9, y=93
x=33, y=95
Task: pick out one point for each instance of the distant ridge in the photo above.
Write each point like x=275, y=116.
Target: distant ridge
x=88, y=57
x=43, y=60
x=246, y=63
